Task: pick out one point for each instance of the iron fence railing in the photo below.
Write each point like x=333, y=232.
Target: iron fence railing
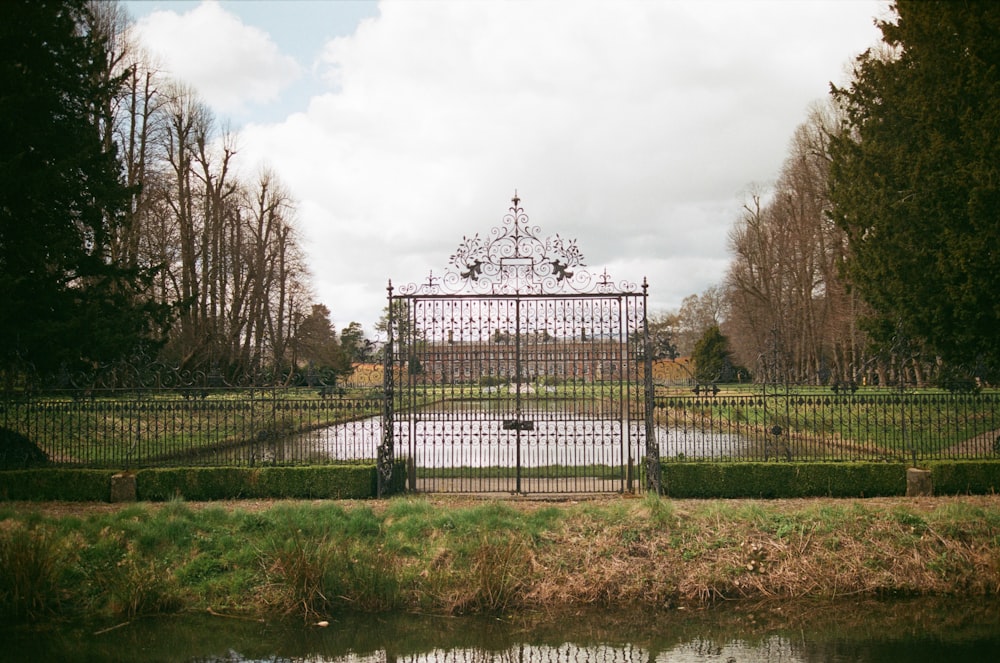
x=288, y=426
x=824, y=425
x=222, y=427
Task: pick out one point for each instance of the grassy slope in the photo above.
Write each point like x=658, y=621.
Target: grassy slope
x=308, y=560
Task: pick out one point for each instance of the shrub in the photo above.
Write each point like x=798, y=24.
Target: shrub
x=965, y=477
x=18, y=452
x=32, y=562
x=771, y=480
x=56, y=484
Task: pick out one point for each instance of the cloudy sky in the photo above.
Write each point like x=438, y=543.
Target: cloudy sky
x=635, y=126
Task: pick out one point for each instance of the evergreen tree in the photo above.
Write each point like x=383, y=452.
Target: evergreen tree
x=356, y=347
x=65, y=303
x=711, y=357
x=318, y=346
x=915, y=180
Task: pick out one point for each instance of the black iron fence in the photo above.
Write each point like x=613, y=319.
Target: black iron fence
x=285, y=426
x=307, y=425
x=823, y=425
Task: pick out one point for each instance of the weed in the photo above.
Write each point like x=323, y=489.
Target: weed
x=139, y=586
x=201, y=569
x=499, y=569
x=914, y=523
x=362, y=523
x=407, y=508
x=255, y=523
x=661, y=510
x=32, y=562
x=317, y=576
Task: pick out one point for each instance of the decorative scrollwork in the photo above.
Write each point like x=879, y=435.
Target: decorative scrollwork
x=514, y=259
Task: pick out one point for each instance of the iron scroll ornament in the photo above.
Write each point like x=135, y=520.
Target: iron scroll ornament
x=515, y=259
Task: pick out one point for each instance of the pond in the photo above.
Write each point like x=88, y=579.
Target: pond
x=483, y=438
x=875, y=632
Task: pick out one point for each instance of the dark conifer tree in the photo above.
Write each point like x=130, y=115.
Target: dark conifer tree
x=915, y=181
x=64, y=303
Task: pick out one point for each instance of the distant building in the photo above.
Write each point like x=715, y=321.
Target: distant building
x=539, y=357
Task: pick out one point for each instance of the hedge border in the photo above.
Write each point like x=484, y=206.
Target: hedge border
x=777, y=480
x=693, y=479
x=56, y=484
x=965, y=477
x=201, y=483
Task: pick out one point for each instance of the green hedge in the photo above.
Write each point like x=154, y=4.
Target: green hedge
x=221, y=483
x=56, y=484
x=959, y=477
x=680, y=479
x=724, y=480
x=202, y=483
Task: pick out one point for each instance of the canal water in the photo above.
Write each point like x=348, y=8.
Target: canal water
x=913, y=631
x=444, y=439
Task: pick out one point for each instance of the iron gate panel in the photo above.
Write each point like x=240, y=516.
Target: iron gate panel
x=518, y=372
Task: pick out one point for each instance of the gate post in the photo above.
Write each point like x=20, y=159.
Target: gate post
x=384, y=461
x=653, y=470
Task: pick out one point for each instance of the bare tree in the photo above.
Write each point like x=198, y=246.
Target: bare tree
x=786, y=295
x=698, y=314
x=225, y=249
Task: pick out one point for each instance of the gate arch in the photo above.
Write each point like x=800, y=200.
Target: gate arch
x=519, y=371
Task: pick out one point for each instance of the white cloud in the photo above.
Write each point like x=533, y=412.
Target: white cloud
x=230, y=64
x=632, y=126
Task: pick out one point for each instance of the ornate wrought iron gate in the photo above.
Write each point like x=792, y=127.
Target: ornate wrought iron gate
x=519, y=371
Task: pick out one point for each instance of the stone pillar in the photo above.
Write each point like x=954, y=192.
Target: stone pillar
x=918, y=483
x=123, y=487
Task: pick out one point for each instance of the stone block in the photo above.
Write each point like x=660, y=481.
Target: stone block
x=918, y=483
x=123, y=488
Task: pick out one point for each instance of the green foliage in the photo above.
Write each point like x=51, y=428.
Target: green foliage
x=712, y=359
x=772, y=480
x=500, y=568
x=314, y=576
x=355, y=346
x=216, y=483
x=18, y=452
x=317, y=345
x=66, y=300
x=356, y=481
x=33, y=561
x=965, y=477
x=56, y=484
x=915, y=181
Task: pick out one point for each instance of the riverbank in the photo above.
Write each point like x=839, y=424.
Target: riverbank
x=449, y=555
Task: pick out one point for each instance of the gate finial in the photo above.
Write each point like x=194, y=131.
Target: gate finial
x=515, y=199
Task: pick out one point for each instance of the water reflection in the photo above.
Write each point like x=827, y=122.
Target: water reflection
x=480, y=439
x=913, y=631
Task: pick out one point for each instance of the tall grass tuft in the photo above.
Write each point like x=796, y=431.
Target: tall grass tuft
x=32, y=561
x=139, y=586
x=661, y=510
x=317, y=576
x=500, y=570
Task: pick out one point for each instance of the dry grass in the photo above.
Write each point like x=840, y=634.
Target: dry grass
x=462, y=554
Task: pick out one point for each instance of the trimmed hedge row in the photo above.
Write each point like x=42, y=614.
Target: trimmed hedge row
x=226, y=483
x=769, y=480
x=56, y=484
x=202, y=483
x=680, y=480
x=962, y=477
